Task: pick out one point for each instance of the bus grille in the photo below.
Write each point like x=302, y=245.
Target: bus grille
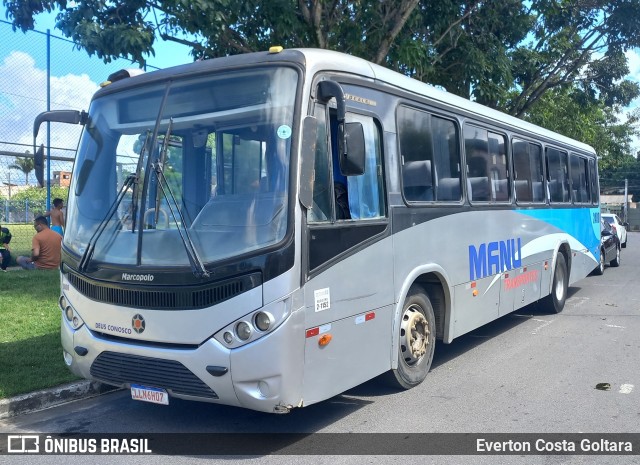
x=164, y=299
x=115, y=368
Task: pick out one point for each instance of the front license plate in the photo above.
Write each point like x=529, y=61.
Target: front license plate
x=149, y=394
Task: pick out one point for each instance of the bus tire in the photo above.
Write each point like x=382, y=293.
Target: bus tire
x=417, y=341
x=554, y=302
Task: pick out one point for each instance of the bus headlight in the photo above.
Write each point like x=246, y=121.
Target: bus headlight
x=262, y=321
x=243, y=330
x=255, y=325
x=69, y=313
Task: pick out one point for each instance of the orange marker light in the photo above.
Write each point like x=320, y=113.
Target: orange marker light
x=475, y=292
x=324, y=340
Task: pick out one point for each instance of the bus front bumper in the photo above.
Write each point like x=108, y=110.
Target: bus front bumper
x=265, y=375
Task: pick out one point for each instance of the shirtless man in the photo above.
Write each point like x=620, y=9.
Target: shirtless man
x=57, y=217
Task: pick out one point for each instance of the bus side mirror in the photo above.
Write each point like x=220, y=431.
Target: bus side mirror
x=59, y=116
x=352, y=150
x=307, y=164
x=38, y=165
x=54, y=116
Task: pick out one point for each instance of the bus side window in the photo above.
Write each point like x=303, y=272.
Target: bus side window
x=414, y=133
x=579, y=176
x=557, y=174
x=366, y=191
x=476, y=145
x=527, y=167
x=337, y=197
x=522, y=170
x=537, y=173
x=430, y=156
x=595, y=194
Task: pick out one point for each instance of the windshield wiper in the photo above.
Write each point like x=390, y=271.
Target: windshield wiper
x=197, y=267
x=132, y=179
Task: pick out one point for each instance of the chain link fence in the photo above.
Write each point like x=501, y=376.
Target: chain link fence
x=40, y=72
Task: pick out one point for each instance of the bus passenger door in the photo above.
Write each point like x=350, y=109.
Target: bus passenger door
x=349, y=292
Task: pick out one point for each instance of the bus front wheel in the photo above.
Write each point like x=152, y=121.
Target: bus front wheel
x=554, y=302
x=417, y=341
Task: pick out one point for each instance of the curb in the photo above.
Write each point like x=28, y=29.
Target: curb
x=40, y=400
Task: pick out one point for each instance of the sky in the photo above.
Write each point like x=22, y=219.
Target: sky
x=75, y=77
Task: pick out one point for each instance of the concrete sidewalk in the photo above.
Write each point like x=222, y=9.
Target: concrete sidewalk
x=40, y=400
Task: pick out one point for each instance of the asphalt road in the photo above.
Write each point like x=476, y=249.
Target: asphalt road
x=528, y=372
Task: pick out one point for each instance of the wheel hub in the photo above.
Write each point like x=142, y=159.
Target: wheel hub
x=415, y=335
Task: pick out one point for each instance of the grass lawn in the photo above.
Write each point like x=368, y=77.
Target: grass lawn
x=30, y=349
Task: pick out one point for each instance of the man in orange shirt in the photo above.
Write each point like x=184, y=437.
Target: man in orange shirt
x=45, y=248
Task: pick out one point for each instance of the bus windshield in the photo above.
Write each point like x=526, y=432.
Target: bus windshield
x=185, y=169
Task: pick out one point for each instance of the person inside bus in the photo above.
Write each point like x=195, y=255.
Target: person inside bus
x=5, y=254
x=340, y=192
x=45, y=248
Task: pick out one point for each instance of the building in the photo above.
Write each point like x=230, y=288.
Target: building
x=61, y=178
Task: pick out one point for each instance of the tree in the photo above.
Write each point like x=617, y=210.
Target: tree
x=24, y=164
x=507, y=54
x=474, y=48
x=37, y=195
x=214, y=28
x=569, y=112
x=577, y=43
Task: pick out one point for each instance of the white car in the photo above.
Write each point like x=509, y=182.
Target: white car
x=618, y=225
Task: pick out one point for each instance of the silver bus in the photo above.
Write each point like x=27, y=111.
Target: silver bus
x=269, y=230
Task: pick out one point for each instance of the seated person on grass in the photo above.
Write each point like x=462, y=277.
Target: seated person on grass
x=45, y=248
x=5, y=255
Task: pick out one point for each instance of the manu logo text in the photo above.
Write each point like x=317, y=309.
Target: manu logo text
x=494, y=257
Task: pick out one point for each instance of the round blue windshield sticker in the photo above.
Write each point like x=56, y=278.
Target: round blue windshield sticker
x=284, y=132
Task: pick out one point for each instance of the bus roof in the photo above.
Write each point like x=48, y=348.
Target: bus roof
x=319, y=60
x=326, y=60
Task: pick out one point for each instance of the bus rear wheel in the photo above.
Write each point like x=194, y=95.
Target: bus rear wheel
x=554, y=302
x=417, y=341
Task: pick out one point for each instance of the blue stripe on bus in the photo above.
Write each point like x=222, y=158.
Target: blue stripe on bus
x=581, y=223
